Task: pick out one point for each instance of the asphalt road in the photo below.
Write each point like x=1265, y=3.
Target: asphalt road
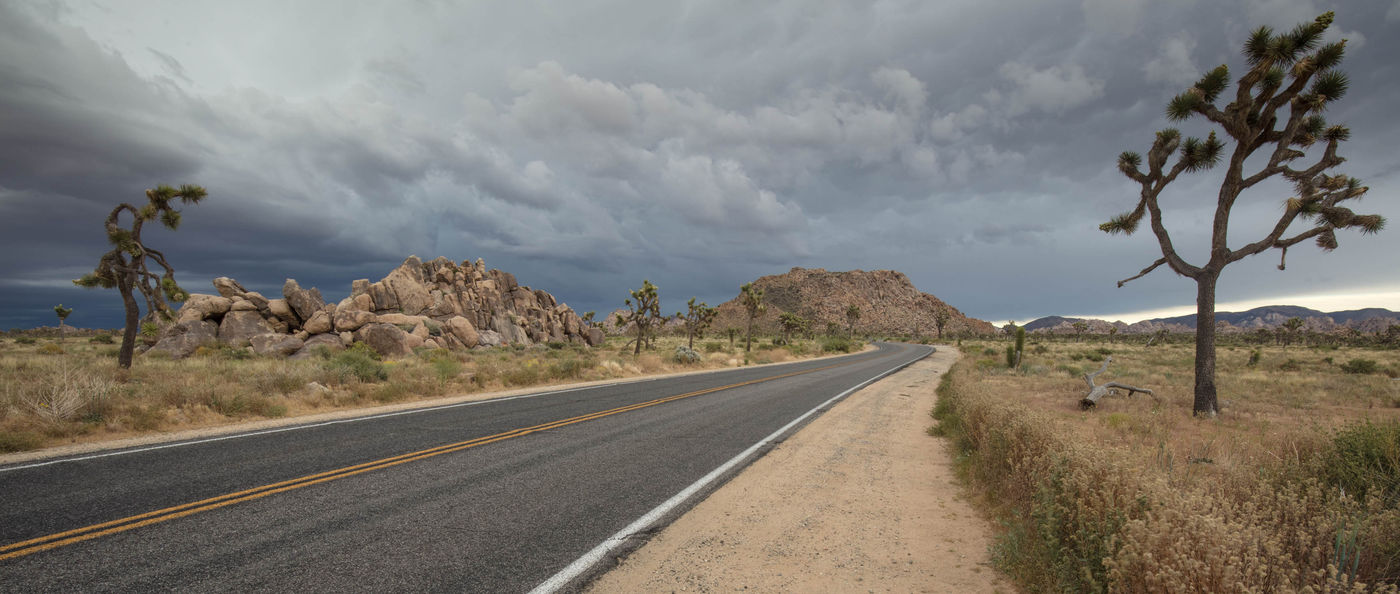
x=494, y=496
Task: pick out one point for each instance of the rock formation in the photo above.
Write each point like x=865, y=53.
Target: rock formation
x=888, y=302
x=437, y=304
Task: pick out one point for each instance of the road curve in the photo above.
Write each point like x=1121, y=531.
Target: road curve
x=495, y=496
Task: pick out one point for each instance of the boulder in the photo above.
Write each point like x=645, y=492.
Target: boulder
x=243, y=305
x=279, y=308
x=406, y=282
x=462, y=329
x=397, y=318
x=319, y=323
x=240, y=326
x=386, y=339
x=594, y=336
x=228, y=287
x=278, y=345
x=488, y=338
x=258, y=300
x=359, y=287
x=182, y=339
x=347, y=338
x=317, y=343
x=382, y=296
x=202, y=307
x=304, y=302
x=350, y=320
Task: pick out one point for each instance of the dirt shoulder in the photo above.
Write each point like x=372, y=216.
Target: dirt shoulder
x=862, y=499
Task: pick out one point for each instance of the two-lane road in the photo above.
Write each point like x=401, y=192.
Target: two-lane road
x=489, y=496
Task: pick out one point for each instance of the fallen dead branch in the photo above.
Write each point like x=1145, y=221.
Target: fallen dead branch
x=1097, y=392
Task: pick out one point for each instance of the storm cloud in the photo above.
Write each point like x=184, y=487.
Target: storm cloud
x=589, y=145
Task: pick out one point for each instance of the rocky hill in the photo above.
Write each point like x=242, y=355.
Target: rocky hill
x=888, y=302
x=435, y=304
x=1269, y=317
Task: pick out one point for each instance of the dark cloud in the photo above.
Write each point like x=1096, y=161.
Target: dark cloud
x=587, y=146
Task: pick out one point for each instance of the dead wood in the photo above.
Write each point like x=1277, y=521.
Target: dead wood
x=1099, y=391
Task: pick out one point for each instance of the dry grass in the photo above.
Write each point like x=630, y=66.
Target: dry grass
x=1138, y=496
x=52, y=394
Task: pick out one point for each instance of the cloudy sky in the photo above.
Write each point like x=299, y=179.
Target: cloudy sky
x=587, y=145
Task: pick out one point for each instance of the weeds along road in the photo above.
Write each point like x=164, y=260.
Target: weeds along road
x=489, y=496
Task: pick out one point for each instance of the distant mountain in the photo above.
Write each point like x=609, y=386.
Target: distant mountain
x=1371, y=319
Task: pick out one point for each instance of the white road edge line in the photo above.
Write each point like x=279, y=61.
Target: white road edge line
x=600, y=552
x=179, y=444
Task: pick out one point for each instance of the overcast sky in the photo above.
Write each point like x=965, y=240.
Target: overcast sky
x=586, y=145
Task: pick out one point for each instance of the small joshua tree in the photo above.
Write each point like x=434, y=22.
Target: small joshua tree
x=63, y=313
x=790, y=322
x=752, y=298
x=125, y=267
x=1292, y=325
x=1277, y=106
x=697, y=317
x=1079, y=328
x=644, y=310
x=940, y=319
x=852, y=314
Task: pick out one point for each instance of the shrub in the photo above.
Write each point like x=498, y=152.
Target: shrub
x=1364, y=459
x=1254, y=358
x=1359, y=366
x=838, y=344
x=103, y=338
x=26, y=340
x=556, y=344
x=570, y=368
x=445, y=368
x=685, y=356
x=434, y=328
x=713, y=347
x=19, y=441
x=50, y=349
x=359, y=361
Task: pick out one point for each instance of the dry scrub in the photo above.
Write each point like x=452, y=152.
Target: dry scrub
x=53, y=393
x=1295, y=487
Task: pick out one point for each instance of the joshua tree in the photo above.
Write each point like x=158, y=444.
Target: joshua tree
x=1079, y=328
x=644, y=309
x=790, y=322
x=752, y=298
x=1292, y=325
x=1277, y=106
x=940, y=319
x=1112, y=333
x=63, y=313
x=588, y=319
x=697, y=318
x=1010, y=328
x=852, y=314
x=125, y=266
x=732, y=333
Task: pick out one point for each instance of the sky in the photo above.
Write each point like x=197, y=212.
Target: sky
x=584, y=146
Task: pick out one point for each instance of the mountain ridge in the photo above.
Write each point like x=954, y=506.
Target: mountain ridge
x=1371, y=319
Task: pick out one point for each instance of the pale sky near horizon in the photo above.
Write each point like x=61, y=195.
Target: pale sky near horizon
x=585, y=146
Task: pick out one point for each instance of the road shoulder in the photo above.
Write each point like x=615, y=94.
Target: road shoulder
x=862, y=499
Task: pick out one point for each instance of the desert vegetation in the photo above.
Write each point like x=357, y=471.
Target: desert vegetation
x=1293, y=487
x=53, y=393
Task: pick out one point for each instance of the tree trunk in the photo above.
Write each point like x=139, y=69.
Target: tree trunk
x=133, y=321
x=690, y=339
x=1205, y=402
x=748, y=337
x=641, y=334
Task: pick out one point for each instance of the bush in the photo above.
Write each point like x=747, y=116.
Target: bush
x=838, y=344
x=361, y=362
x=19, y=441
x=1359, y=366
x=51, y=349
x=26, y=340
x=556, y=344
x=685, y=356
x=1254, y=358
x=1364, y=460
x=103, y=339
x=713, y=347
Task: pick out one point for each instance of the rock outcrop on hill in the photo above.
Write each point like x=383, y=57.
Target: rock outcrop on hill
x=437, y=304
x=888, y=302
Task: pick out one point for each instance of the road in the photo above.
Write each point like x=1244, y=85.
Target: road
x=490, y=496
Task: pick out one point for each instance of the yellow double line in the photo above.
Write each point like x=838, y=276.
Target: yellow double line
x=53, y=541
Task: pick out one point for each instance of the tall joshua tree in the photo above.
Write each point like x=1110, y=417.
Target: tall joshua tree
x=752, y=299
x=644, y=309
x=940, y=319
x=1277, y=109
x=125, y=267
x=790, y=322
x=697, y=317
x=852, y=314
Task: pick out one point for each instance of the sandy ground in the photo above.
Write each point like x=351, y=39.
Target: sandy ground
x=860, y=500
